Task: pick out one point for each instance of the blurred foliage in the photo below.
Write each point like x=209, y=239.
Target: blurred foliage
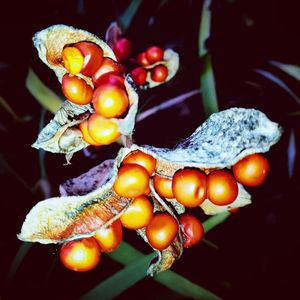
x=255, y=246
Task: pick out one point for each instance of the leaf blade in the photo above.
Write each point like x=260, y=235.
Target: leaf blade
x=46, y=97
x=126, y=19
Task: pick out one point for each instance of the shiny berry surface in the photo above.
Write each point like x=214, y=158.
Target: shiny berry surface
x=159, y=73
x=251, y=170
x=73, y=60
x=154, y=54
x=161, y=231
x=109, y=237
x=132, y=181
x=163, y=186
x=192, y=230
x=103, y=131
x=189, y=187
x=76, y=90
x=93, y=57
x=110, y=101
x=122, y=49
x=222, y=188
x=80, y=255
x=141, y=158
x=139, y=75
x=138, y=214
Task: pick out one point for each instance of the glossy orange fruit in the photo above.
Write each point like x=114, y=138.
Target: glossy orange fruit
x=161, y=231
x=110, y=237
x=138, y=214
x=132, y=181
x=76, y=90
x=103, y=131
x=110, y=101
x=80, y=255
x=222, y=188
x=163, y=186
x=83, y=126
x=192, y=230
x=189, y=187
x=251, y=170
x=141, y=158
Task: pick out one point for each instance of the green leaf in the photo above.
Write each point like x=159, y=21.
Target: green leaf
x=291, y=70
x=279, y=82
x=215, y=220
x=126, y=254
x=23, y=250
x=126, y=18
x=46, y=97
x=184, y=287
x=121, y=281
x=207, y=80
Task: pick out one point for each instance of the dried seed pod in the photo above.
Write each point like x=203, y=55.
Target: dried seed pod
x=221, y=141
x=170, y=61
x=51, y=41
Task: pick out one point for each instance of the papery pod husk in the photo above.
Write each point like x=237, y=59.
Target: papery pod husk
x=60, y=219
x=51, y=41
x=62, y=135
x=221, y=141
x=171, y=61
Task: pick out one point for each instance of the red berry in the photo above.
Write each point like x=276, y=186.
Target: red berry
x=122, y=49
x=159, y=73
x=154, y=54
x=139, y=75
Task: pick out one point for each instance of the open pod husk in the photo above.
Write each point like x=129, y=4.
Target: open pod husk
x=171, y=61
x=221, y=141
x=62, y=135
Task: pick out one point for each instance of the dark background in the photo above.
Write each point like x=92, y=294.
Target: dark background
x=259, y=246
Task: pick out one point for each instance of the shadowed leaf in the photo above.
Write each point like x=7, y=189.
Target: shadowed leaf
x=46, y=97
x=279, y=82
x=291, y=70
x=126, y=18
x=208, y=88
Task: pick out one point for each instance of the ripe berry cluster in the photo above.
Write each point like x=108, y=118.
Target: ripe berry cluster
x=188, y=186
x=151, y=61
x=107, y=93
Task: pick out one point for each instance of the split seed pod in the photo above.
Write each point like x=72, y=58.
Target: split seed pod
x=221, y=141
x=50, y=43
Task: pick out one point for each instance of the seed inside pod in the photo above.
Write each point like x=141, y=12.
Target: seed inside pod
x=73, y=60
x=163, y=186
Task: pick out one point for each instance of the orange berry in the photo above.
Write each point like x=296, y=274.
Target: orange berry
x=141, y=158
x=222, y=188
x=103, y=131
x=110, y=101
x=83, y=126
x=161, y=231
x=159, y=73
x=73, y=60
x=107, y=66
x=154, y=54
x=132, y=181
x=76, y=90
x=139, y=75
x=110, y=237
x=93, y=57
x=192, y=230
x=80, y=255
x=251, y=170
x=138, y=214
x=189, y=187
x=163, y=186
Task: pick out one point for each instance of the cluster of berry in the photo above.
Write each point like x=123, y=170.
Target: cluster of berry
x=189, y=186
